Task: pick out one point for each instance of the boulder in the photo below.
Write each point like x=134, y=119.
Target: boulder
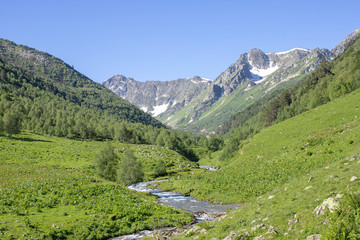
x=272, y=230
x=291, y=222
x=314, y=237
x=259, y=238
x=256, y=227
x=233, y=235
x=353, y=178
x=329, y=203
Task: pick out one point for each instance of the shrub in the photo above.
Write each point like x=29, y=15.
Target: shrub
x=130, y=170
x=106, y=163
x=160, y=169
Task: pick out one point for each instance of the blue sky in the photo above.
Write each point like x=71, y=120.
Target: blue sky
x=170, y=39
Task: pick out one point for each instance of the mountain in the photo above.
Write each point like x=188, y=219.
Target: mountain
x=49, y=96
x=203, y=108
x=251, y=77
x=161, y=99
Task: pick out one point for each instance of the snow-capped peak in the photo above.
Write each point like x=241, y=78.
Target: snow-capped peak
x=301, y=49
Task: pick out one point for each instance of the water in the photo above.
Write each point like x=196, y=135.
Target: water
x=202, y=210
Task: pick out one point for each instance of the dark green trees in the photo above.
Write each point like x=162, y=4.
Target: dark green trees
x=130, y=170
x=10, y=123
x=160, y=169
x=106, y=163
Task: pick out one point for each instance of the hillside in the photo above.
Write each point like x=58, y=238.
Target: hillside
x=283, y=173
x=23, y=67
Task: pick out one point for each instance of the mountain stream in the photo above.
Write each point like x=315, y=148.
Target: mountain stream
x=202, y=210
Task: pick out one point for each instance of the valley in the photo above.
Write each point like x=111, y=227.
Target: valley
x=269, y=149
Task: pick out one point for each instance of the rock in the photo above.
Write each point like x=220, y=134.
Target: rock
x=329, y=203
x=339, y=195
x=291, y=222
x=314, y=237
x=233, y=235
x=272, y=230
x=346, y=163
x=353, y=178
x=194, y=230
x=256, y=227
x=244, y=235
x=261, y=237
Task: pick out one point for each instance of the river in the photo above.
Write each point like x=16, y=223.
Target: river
x=202, y=210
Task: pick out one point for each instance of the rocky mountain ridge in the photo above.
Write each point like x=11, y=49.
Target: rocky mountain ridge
x=203, y=106
x=156, y=97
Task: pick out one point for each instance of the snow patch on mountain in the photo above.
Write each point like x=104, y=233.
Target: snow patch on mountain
x=285, y=52
x=145, y=109
x=159, y=109
x=259, y=75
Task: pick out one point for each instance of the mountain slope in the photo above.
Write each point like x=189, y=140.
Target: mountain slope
x=161, y=99
x=53, y=75
x=253, y=76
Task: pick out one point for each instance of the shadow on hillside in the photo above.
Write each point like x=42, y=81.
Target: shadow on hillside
x=27, y=139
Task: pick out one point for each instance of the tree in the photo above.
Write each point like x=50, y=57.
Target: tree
x=215, y=143
x=106, y=163
x=11, y=123
x=130, y=170
x=160, y=168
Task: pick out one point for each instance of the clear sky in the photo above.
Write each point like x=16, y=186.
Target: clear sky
x=170, y=39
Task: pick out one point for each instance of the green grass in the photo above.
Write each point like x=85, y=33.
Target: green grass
x=280, y=153
x=270, y=175
x=49, y=191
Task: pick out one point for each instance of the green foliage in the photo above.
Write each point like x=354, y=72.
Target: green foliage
x=11, y=123
x=160, y=168
x=345, y=222
x=215, y=144
x=130, y=170
x=106, y=163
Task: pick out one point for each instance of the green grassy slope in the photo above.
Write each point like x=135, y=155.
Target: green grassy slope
x=49, y=190
x=283, y=173
x=280, y=153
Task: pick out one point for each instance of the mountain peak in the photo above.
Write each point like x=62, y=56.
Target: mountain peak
x=341, y=46
x=258, y=58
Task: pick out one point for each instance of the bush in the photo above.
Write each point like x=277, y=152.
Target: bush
x=106, y=162
x=160, y=169
x=130, y=170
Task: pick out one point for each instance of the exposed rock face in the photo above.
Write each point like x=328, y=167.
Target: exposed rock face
x=157, y=97
x=341, y=46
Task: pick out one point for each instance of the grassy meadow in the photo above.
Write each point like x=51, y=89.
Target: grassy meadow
x=281, y=174
x=49, y=190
